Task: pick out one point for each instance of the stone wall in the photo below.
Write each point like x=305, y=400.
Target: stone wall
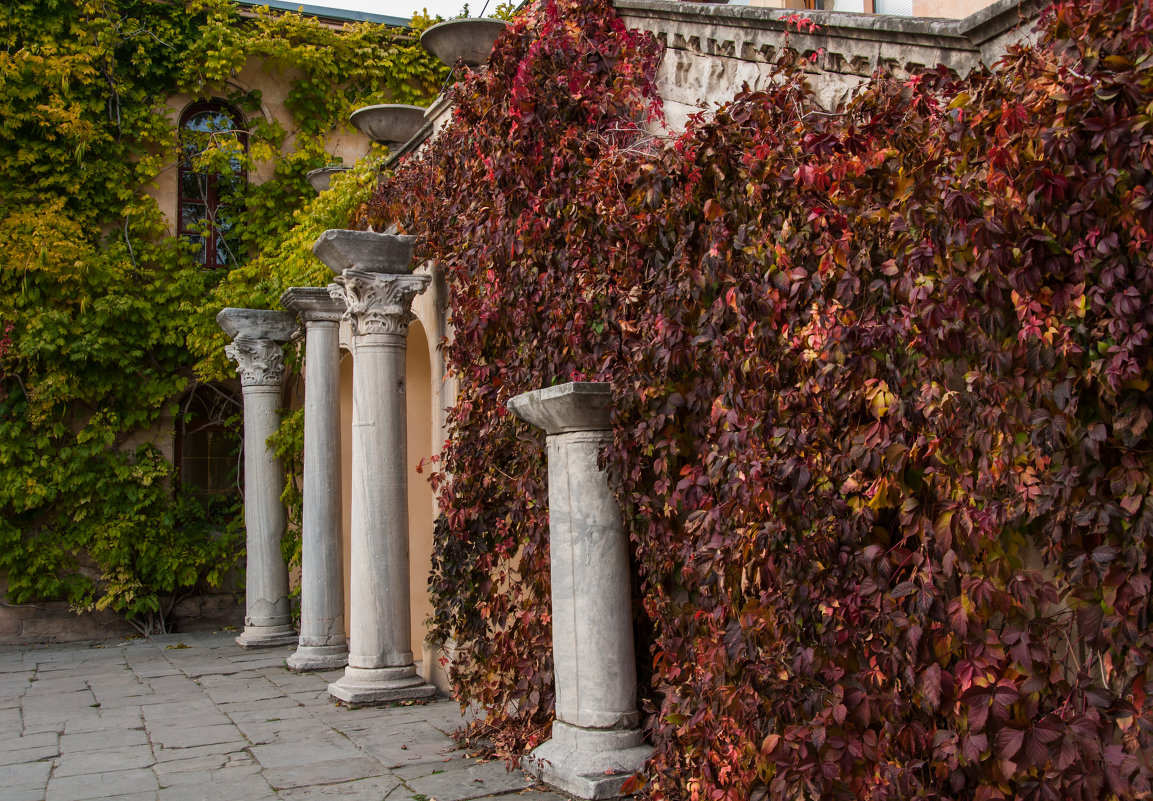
x=53, y=621
x=712, y=50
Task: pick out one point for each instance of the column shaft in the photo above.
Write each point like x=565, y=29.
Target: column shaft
x=266, y=586
x=257, y=335
x=380, y=582
x=323, y=645
x=377, y=287
x=592, y=604
x=595, y=743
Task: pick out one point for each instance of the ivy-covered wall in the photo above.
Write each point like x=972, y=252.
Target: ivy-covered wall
x=881, y=381
x=104, y=312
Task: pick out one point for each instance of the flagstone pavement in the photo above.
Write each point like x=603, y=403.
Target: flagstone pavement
x=193, y=717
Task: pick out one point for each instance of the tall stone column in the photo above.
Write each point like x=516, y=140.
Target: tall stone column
x=322, y=644
x=596, y=741
x=377, y=286
x=257, y=336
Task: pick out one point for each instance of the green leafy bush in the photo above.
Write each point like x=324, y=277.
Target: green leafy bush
x=99, y=303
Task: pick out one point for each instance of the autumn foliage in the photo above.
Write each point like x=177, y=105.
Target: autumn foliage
x=882, y=422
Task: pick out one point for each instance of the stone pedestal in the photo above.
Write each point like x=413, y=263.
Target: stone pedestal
x=596, y=743
x=377, y=287
x=257, y=336
x=322, y=644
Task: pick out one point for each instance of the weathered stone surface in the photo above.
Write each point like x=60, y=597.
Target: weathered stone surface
x=322, y=644
x=257, y=324
x=102, y=785
x=388, y=123
x=370, y=252
x=595, y=737
x=314, y=750
x=371, y=789
x=380, y=664
x=711, y=50
x=329, y=771
x=321, y=179
x=255, y=348
x=470, y=781
x=468, y=39
x=576, y=406
x=588, y=763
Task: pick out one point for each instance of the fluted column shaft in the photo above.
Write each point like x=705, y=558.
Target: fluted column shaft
x=322, y=644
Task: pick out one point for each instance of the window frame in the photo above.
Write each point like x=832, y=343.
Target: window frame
x=210, y=200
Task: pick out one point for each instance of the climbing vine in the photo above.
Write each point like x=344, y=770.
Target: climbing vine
x=98, y=299
x=881, y=424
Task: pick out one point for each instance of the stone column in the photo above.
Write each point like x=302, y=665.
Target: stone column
x=596, y=743
x=377, y=286
x=322, y=643
x=257, y=336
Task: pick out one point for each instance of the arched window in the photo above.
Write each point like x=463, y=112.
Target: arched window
x=213, y=140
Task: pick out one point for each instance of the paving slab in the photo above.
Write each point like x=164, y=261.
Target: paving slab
x=102, y=785
x=373, y=789
x=195, y=718
x=471, y=781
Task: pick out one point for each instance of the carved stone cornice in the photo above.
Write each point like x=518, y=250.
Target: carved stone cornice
x=312, y=304
x=260, y=362
x=378, y=303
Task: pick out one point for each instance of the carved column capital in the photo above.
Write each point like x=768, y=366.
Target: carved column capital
x=260, y=362
x=378, y=303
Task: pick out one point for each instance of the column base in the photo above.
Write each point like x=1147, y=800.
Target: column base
x=267, y=636
x=369, y=686
x=317, y=657
x=588, y=763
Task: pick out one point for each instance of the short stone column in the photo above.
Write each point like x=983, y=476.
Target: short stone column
x=377, y=286
x=596, y=741
x=257, y=336
x=322, y=644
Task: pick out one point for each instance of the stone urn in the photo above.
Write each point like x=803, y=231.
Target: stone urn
x=321, y=179
x=468, y=39
x=389, y=124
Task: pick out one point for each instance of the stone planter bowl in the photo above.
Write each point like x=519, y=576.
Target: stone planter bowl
x=468, y=39
x=367, y=251
x=390, y=123
x=322, y=178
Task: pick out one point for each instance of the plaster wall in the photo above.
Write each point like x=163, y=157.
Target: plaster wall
x=345, y=145
x=951, y=9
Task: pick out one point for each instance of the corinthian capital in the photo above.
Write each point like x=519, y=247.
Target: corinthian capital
x=260, y=362
x=378, y=303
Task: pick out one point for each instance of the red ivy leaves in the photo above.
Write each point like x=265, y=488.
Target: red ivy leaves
x=883, y=407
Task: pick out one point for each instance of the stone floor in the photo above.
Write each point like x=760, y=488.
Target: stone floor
x=195, y=718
